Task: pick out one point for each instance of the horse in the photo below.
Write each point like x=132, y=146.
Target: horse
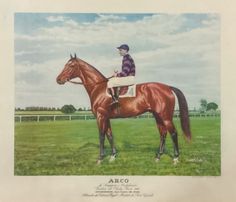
x=153, y=97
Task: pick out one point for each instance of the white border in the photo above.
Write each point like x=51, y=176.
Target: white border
x=63, y=188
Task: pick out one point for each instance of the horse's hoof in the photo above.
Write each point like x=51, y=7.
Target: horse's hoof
x=112, y=158
x=157, y=160
x=175, y=161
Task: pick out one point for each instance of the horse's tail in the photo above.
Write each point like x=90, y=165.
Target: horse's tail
x=183, y=108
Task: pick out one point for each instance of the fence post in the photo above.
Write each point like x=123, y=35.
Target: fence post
x=38, y=118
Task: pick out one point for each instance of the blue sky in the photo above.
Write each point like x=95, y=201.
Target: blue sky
x=181, y=50
x=41, y=19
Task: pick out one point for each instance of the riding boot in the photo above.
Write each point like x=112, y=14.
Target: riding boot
x=116, y=93
x=113, y=95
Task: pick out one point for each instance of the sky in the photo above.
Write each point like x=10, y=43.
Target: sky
x=180, y=50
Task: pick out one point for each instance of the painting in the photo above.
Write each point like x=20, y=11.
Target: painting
x=181, y=50
x=53, y=146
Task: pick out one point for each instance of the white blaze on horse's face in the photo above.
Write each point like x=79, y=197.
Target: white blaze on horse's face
x=69, y=71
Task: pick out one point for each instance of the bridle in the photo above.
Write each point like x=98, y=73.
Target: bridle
x=81, y=83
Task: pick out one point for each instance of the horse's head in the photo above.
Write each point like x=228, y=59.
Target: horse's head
x=70, y=71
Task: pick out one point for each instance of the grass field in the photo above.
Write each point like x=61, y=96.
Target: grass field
x=71, y=148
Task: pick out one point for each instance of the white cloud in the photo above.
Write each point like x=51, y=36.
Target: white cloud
x=56, y=18
x=25, y=53
x=104, y=19
x=71, y=23
x=163, y=51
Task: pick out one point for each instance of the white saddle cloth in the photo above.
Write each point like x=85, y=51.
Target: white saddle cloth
x=131, y=92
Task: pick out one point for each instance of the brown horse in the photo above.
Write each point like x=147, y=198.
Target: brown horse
x=151, y=97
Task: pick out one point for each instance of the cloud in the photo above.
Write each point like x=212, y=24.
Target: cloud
x=31, y=77
x=166, y=48
x=104, y=19
x=71, y=23
x=55, y=18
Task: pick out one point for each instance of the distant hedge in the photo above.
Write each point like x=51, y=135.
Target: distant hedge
x=68, y=109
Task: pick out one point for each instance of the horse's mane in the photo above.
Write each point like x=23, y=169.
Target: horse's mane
x=94, y=69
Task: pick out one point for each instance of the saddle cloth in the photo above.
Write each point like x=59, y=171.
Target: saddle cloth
x=125, y=91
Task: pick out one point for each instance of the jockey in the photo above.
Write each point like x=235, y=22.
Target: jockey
x=126, y=76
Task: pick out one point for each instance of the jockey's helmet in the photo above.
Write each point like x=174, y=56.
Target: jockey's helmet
x=124, y=47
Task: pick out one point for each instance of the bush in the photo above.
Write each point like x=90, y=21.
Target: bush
x=68, y=109
x=212, y=106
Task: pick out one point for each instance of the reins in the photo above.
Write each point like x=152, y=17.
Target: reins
x=75, y=82
x=81, y=83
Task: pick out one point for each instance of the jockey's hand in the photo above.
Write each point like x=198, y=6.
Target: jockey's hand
x=115, y=74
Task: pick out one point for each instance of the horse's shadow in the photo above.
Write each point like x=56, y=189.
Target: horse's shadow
x=86, y=149
x=126, y=146
x=90, y=149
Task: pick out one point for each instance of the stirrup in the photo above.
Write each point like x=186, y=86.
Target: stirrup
x=114, y=101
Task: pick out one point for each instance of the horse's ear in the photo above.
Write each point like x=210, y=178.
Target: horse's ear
x=75, y=56
x=71, y=56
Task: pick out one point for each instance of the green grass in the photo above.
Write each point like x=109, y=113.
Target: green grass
x=71, y=148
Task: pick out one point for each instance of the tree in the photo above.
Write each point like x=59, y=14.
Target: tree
x=212, y=106
x=68, y=109
x=203, y=104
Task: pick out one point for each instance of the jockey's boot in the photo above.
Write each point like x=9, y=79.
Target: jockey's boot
x=113, y=95
x=116, y=93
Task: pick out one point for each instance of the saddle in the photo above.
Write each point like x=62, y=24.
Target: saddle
x=125, y=91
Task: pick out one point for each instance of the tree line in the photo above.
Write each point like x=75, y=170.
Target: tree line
x=68, y=109
x=207, y=106
x=64, y=109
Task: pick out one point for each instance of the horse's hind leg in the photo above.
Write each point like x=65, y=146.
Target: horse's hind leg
x=174, y=136
x=111, y=140
x=163, y=132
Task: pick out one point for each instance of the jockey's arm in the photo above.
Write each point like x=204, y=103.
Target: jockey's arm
x=125, y=69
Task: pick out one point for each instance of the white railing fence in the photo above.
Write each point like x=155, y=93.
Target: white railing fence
x=38, y=118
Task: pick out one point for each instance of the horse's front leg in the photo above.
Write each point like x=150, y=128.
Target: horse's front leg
x=102, y=127
x=111, y=141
